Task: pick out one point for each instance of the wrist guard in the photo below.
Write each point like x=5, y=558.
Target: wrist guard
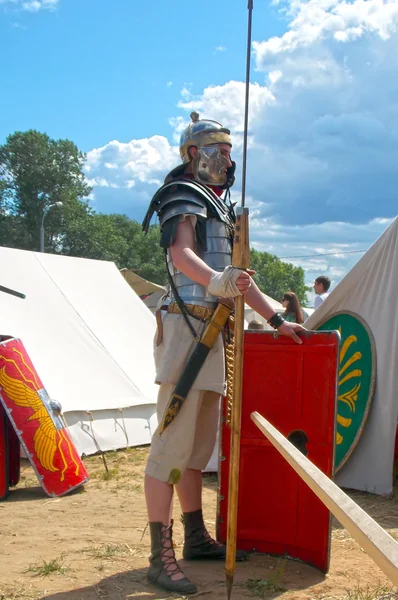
x=223, y=284
x=276, y=321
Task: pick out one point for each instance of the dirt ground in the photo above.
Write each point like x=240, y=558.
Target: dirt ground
x=92, y=545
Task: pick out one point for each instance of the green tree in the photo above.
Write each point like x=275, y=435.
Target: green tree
x=147, y=257
x=91, y=235
x=119, y=239
x=36, y=171
x=274, y=277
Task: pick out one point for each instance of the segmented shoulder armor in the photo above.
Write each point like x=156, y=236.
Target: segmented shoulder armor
x=186, y=196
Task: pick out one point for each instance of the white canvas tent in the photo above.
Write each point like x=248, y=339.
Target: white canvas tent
x=89, y=337
x=370, y=290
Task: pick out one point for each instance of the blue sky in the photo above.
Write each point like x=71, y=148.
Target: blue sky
x=96, y=70
x=120, y=79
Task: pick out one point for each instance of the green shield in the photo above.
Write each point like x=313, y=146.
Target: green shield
x=356, y=380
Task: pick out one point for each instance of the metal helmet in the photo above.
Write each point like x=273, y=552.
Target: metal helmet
x=209, y=166
x=202, y=132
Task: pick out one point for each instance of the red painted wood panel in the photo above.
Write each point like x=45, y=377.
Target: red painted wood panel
x=39, y=428
x=294, y=387
x=3, y=455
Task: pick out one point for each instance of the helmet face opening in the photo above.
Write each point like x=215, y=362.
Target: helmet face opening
x=209, y=166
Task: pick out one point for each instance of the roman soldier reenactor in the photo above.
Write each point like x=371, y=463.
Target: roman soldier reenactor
x=197, y=229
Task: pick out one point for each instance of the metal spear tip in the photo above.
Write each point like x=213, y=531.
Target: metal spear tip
x=230, y=583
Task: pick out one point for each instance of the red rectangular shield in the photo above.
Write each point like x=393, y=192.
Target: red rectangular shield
x=14, y=456
x=37, y=422
x=295, y=388
x=3, y=455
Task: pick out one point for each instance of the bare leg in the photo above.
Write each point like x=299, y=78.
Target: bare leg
x=159, y=494
x=159, y=499
x=189, y=490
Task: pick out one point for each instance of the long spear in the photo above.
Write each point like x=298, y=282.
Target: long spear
x=241, y=260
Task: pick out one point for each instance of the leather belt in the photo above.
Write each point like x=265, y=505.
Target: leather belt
x=195, y=310
x=202, y=313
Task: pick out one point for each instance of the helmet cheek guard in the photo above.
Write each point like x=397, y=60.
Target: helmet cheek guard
x=210, y=166
x=230, y=176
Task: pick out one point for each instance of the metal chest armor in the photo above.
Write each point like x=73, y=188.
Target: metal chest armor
x=214, y=230
x=217, y=254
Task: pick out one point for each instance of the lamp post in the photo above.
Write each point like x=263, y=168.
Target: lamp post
x=45, y=213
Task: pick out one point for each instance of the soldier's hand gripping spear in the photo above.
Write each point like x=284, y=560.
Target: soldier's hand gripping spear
x=241, y=260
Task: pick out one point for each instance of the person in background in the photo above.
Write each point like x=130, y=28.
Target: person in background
x=321, y=287
x=293, y=312
x=255, y=325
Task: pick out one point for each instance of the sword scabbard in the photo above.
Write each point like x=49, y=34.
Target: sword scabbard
x=195, y=362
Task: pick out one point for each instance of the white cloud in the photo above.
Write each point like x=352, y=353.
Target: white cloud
x=274, y=76
x=114, y=169
x=327, y=144
x=225, y=103
x=327, y=249
x=323, y=136
x=142, y=164
x=186, y=92
x=101, y=182
x=315, y=21
x=32, y=5
x=220, y=49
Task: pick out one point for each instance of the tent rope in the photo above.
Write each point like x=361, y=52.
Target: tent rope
x=124, y=428
x=90, y=415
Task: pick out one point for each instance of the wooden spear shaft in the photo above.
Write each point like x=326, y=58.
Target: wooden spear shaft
x=241, y=260
x=376, y=542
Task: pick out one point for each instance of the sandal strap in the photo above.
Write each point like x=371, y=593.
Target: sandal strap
x=169, y=560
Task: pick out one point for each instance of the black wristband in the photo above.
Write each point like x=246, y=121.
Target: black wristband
x=276, y=321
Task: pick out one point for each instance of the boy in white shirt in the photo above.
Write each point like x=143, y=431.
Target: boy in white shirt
x=321, y=287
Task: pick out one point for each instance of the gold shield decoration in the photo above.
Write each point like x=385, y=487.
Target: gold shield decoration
x=357, y=377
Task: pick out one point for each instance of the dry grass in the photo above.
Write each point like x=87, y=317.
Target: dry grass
x=45, y=568
x=109, y=551
x=121, y=467
x=365, y=593
x=108, y=554
x=105, y=475
x=18, y=592
x=263, y=587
